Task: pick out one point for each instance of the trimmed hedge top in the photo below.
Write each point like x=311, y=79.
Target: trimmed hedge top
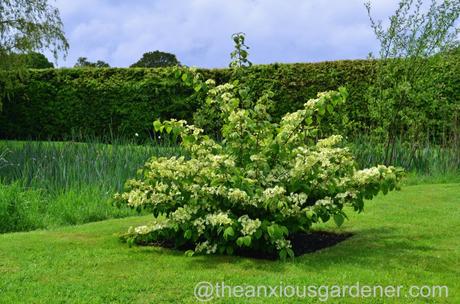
x=56, y=103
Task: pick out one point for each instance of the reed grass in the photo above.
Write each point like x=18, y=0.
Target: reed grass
x=423, y=162
x=46, y=184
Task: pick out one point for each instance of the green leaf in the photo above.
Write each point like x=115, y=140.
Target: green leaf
x=188, y=234
x=257, y=234
x=338, y=219
x=229, y=250
x=321, y=110
x=276, y=232
x=283, y=254
x=228, y=232
x=324, y=217
x=284, y=230
x=157, y=125
x=189, y=253
x=188, y=139
x=310, y=214
x=197, y=87
x=344, y=92
x=177, y=73
x=271, y=231
x=247, y=240
x=385, y=188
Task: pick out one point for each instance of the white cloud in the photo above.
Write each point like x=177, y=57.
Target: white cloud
x=198, y=31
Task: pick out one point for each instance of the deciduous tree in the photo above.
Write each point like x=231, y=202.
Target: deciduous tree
x=156, y=59
x=27, y=26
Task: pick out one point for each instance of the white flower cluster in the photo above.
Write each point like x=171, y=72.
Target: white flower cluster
x=142, y=229
x=277, y=175
x=303, y=162
x=170, y=168
x=330, y=141
x=258, y=158
x=249, y=226
x=210, y=82
x=274, y=192
x=237, y=195
x=183, y=214
x=226, y=96
x=289, y=123
x=199, y=224
x=191, y=129
x=218, y=219
x=161, y=187
x=157, y=224
x=220, y=89
x=327, y=201
x=197, y=192
x=363, y=176
x=205, y=247
x=313, y=103
x=221, y=160
x=324, y=164
x=283, y=243
x=346, y=196
x=293, y=118
x=375, y=175
x=298, y=198
x=136, y=197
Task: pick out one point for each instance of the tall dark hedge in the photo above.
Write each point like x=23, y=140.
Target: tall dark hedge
x=56, y=103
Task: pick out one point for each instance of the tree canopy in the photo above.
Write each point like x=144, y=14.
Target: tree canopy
x=35, y=60
x=156, y=59
x=83, y=62
x=30, y=25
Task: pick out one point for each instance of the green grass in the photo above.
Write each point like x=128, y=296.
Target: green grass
x=28, y=209
x=404, y=238
x=47, y=184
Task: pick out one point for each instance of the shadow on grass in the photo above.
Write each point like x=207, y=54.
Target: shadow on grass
x=377, y=248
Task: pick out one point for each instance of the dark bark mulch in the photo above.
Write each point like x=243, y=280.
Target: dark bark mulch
x=302, y=243
x=310, y=242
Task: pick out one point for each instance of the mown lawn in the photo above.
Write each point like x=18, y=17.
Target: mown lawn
x=404, y=238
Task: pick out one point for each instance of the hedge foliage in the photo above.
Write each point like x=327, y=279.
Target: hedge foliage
x=56, y=103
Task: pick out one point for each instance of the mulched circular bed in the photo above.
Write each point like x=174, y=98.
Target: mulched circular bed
x=310, y=242
x=302, y=243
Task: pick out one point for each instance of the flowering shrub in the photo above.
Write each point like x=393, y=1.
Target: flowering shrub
x=264, y=181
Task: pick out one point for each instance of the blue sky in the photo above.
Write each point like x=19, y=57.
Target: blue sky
x=198, y=31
